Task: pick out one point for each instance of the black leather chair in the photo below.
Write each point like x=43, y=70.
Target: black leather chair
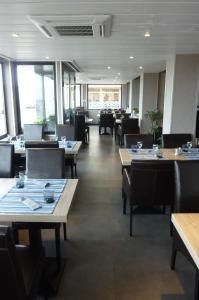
x=82, y=132
x=186, y=199
x=132, y=139
x=21, y=268
x=6, y=160
x=33, y=132
x=65, y=130
x=128, y=126
x=42, y=144
x=69, y=132
x=45, y=163
x=149, y=183
x=175, y=140
x=106, y=121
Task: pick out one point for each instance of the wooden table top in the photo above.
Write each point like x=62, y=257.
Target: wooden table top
x=60, y=212
x=126, y=157
x=187, y=226
x=68, y=151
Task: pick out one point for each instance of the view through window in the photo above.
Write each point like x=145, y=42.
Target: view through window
x=104, y=96
x=36, y=85
x=3, y=129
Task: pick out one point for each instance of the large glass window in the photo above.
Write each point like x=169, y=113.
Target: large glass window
x=78, y=95
x=36, y=87
x=3, y=127
x=104, y=96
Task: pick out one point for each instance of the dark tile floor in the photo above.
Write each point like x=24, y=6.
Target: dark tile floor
x=103, y=262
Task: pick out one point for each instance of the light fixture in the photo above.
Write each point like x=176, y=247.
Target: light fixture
x=140, y=67
x=147, y=34
x=15, y=35
x=47, y=57
x=131, y=57
x=118, y=73
x=108, y=67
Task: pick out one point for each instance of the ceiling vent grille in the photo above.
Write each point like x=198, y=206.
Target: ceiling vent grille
x=69, y=26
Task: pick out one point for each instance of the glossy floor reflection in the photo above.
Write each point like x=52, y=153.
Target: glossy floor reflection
x=103, y=262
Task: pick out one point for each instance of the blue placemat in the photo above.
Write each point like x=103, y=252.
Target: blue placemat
x=11, y=203
x=69, y=145
x=38, y=185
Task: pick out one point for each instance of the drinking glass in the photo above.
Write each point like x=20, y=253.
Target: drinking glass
x=63, y=139
x=19, y=181
x=139, y=145
x=48, y=196
x=189, y=146
x=9, y=137
x=155, y=147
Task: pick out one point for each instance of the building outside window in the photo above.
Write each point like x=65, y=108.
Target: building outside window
x=36, y=94
x=104, y=96
x=3, y=127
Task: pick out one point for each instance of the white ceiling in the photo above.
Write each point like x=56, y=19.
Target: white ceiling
x=174, y=27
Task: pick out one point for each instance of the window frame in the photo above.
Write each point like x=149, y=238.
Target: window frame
x=5, y=99
x=18, y=112
x=104, y=85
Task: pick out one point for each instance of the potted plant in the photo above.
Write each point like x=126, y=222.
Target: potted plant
x=135, y=112
x=154, y=117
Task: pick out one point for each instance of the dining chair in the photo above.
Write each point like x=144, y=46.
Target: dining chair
x=106, y=121
x=41, y=144
x=186, y=199
x=128, y=126
x=69, y=132
x=33, y=132
x=21, y=268
x=82, y=131
x=132, y=139
x=175, y=140
x=7, y=160
x=44, y=163
x=148, y=183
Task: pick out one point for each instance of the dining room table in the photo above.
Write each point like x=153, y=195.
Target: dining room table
x=13, y=208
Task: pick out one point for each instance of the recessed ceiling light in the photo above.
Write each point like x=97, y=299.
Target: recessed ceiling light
x=47, y=57
x=131, y=57
x=108, y=67
x=118, y=73
x=140, y=67
x=147, y=34
x=15, y=35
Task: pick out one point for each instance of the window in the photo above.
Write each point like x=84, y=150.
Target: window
x=36, y=93
x=104, y=96
x=78, y=95
x=3, y=127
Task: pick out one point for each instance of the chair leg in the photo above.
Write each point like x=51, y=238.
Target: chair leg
x=65, y=231
x=124, y=202
x=131, y=221
x=173, y=256
x=196, y=292
x=71, y=168
x=75, y=165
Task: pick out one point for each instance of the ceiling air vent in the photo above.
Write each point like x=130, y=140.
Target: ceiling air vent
x=80, y=25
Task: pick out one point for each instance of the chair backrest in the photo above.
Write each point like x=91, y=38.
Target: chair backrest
x=6, y=160
x=33, y=132
x=186, y=186
x=106, y=120
x=129, y=126
x=65, y=130
x=12, y=284
x=132, y=139
x=175, y=140
x=45, y=163
x=152, y=182
x=80, y=127
x=42, y=144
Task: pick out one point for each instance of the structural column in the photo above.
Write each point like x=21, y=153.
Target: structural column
x=181, y=94
x=147, y=98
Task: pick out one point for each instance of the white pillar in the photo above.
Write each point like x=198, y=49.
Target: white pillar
x=181, y=94
x=148, y=98
x=59, y=92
